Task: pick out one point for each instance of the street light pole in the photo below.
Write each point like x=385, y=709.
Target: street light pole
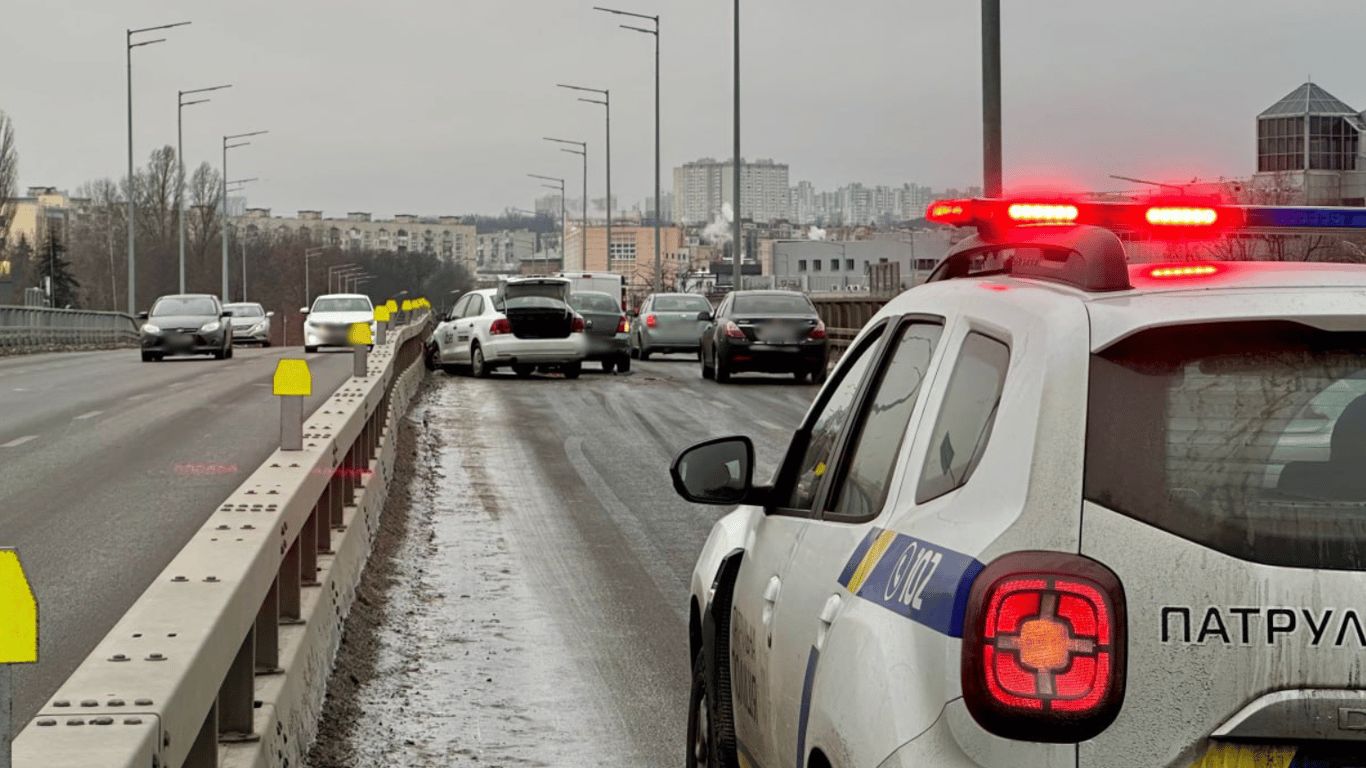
x=583, y=231
x=132, y=181
x=606, y=102
x=181, y=104
x=308, y=254
x=736, y=232
x=659, y=275
x=224, y=215
x=561, y=188
x=243, y=289
x=991, y=98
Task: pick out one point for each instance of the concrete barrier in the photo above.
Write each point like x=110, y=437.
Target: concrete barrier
x=39, y=328
x=224, y=659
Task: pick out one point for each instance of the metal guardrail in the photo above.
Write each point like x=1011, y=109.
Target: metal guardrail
x=42, y=327
x=224, y=659
x=845, y=315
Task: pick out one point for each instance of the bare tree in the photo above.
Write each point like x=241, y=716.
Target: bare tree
x=9, y=175
x=98, y=241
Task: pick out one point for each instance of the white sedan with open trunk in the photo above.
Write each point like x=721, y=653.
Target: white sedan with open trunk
x=525, y=324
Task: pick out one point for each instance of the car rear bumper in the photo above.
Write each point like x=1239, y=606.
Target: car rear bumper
x=510, y=350
x=601, y=347
x=659, y=340
x=773, y=358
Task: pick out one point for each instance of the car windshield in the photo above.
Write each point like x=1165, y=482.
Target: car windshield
x=593, y=302
x=244, y=310
x=770, y=304
x=183, y=305
x=342, y=304
x=681, y=304
x=1246, y=437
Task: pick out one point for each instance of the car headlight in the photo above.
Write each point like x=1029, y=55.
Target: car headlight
x=258, y=328
x=210, y=326
x=149, y=328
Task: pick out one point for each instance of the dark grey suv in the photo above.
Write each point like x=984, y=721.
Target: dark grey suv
x=186, y=324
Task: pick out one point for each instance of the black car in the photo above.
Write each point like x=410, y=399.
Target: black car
x=186, y=324
x=764, y=331
x=607, y=329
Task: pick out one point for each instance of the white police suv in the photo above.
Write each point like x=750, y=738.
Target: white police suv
x=1054, y=508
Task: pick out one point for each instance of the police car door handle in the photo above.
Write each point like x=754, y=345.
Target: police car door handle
x=829, y=611
x=770, y=598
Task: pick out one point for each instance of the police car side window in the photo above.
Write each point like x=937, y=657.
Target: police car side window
x=862, y=488
x=802, y=475
x=963, y=426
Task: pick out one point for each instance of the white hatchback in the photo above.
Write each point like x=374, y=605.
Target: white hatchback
x=1053, y=509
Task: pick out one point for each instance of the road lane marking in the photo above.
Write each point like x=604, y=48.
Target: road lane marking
x=768, y=425
x=90, y=415
x=15, y=443
x=139, y=396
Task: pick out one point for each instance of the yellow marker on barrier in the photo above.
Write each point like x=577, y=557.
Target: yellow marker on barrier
x=382, y=314
x=359, y=334
x=407, y=305
x=392, y=305
x=18, y=613
x=292, y=378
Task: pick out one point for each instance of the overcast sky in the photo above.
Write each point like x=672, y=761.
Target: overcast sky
x=425, y=107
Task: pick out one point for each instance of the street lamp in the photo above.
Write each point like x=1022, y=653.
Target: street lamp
x=353, y=282
x=243, y=240
x=583, y=233
x=181, y=104
x=659, y=274
x=334, y=269
x=736, y=233
x=226, y=147
x=132, y=194
x=342, y=274
x=561, y=188
x=308, y=254
x=607, y=103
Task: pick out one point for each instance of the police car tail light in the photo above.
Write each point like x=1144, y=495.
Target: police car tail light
x=651, y=321
x=1042, y=213
x=501, y=325
x=819, y=331
x=579, y=325
x=1170, y=271
x=1044, y=645
x=733, y=330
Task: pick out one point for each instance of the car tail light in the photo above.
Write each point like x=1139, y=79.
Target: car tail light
x=651, y=321
x=501, y=325
x=623, y=326
x=1044, y=647
x=578, y=324
x=819, y=331
x=733, y=330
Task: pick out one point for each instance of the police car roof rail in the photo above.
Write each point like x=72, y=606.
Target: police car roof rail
x=1085, y=257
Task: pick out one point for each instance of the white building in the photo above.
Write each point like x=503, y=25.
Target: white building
x=703, y=186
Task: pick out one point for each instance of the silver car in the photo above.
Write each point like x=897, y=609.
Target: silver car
x=667, y=322
x=250, y=323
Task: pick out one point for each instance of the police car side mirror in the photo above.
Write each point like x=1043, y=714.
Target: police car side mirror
x=719, y=471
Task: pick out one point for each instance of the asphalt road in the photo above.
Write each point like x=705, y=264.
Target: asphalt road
x=109, y=465
x=537, y=611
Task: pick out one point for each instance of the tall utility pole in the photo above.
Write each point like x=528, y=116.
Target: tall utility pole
x=991, y=98
x=583, y=230
x=606, y=102
x=736, y=233
x=659, y=274
x=181, y=104
x=224, y=215
x=308, y=254
x=132, y=180
x=242, y=291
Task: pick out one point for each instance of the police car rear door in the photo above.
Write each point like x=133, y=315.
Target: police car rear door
x=1225, y=486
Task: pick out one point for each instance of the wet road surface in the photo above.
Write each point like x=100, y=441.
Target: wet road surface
x=533, y=609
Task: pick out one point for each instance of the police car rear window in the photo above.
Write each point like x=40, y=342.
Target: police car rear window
x=1247, y=437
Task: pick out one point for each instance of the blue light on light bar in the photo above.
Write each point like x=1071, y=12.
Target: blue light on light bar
x=1307, y=218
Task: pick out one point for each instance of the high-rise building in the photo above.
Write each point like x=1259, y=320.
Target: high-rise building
x=703, y=186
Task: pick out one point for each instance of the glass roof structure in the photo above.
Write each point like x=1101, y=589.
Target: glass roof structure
x=1309, y=99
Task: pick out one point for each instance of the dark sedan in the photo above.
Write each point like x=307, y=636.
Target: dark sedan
x=186, y=324
x=764, y=331
x=607, y=329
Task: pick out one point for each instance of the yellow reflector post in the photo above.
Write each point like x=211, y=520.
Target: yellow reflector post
x=359, y=334
x=422, y=303
x=392, y=305
x=407, y=306
x=382, y=314
x=292, y=378
x=18, y=613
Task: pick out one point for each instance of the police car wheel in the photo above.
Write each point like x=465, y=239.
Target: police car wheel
x=700, y=745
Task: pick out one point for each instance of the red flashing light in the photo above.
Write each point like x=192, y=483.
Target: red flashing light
x=733, y=330
x=1168, y=271
x=651, y=321
x=501, y=325
x=1044, y=647
x=819, y=331
x=1180, y=216
x=579, y=325
x=955, y=212
x=1042, y=213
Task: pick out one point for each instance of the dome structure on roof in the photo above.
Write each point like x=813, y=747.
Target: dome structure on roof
x=1310, y=130
x=1309, y=99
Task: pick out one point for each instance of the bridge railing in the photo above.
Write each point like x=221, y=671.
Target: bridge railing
x=844, y=315
x=224, y=659
x=43, y=327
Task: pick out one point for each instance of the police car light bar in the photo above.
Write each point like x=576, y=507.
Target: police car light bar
x=1165, y=217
